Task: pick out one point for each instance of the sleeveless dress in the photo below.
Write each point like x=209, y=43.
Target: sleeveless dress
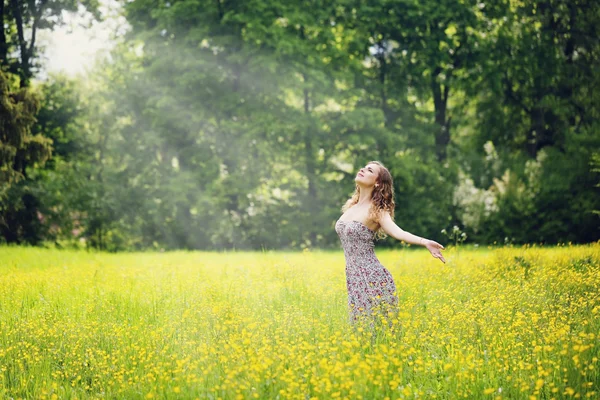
x=370, y=285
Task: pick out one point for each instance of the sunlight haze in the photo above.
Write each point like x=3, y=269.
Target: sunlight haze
x=74, y=47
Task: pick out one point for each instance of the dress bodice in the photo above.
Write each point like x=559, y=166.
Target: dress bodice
x=357, y=239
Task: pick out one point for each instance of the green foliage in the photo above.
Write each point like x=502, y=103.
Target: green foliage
x=595, y=163
x=241, y=124
x=17, y=145
x=19, y=148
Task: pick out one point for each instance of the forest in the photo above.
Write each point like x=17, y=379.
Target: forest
x=230, y=124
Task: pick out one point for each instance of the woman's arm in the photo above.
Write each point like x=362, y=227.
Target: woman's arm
x=390, y=227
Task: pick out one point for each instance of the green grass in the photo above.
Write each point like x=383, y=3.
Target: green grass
x=491, y=323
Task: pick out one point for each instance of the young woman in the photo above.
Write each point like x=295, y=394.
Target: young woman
x=365, y=215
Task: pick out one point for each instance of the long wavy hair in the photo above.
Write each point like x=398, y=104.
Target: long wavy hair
x=382, y=198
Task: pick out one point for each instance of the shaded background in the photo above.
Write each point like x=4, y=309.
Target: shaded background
x=241, y=124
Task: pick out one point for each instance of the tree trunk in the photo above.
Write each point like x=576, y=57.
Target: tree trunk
x=310, y=162
x=440, y=101
x=3, y=44
x=25, y=70
x=388, y=114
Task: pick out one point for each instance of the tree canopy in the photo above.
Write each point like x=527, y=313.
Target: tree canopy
x=241, y=124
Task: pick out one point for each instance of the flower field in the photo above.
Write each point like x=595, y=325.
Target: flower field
x=491, y=323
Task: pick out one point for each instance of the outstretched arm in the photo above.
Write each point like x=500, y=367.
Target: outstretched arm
x=390, y=227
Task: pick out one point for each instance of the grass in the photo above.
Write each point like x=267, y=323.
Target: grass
x=491, y=323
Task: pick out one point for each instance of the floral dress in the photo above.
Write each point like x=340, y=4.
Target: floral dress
x=370, y=285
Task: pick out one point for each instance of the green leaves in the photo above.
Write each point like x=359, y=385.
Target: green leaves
x=223, y=124
x=18, y=147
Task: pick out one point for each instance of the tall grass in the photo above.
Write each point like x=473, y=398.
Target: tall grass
x=502, y=323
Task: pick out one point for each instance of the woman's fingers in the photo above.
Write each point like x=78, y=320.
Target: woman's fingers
x=439, y=255
x=435, y=252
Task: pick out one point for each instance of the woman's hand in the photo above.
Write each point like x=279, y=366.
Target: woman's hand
x=434, y=248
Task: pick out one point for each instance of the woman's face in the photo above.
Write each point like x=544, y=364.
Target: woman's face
x=367, y=176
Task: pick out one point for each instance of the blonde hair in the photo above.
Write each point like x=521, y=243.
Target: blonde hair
x=382, y=198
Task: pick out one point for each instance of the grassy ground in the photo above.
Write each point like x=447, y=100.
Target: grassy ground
x=509, y=323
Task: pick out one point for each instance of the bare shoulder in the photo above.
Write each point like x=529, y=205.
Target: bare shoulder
x=386, y=221
x=385, y=217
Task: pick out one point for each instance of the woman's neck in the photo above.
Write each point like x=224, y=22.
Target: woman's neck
x=365, y=196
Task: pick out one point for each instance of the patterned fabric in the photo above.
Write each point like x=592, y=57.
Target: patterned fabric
x=370, y=285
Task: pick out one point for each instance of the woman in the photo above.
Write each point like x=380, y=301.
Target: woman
x=369, y=212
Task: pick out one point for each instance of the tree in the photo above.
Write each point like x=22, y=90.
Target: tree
x=539, y=74
x=17, y=145
x=21, y=20
x=420, y=52
x=18, y=148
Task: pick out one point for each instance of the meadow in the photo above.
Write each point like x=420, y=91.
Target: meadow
x=492, y=323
